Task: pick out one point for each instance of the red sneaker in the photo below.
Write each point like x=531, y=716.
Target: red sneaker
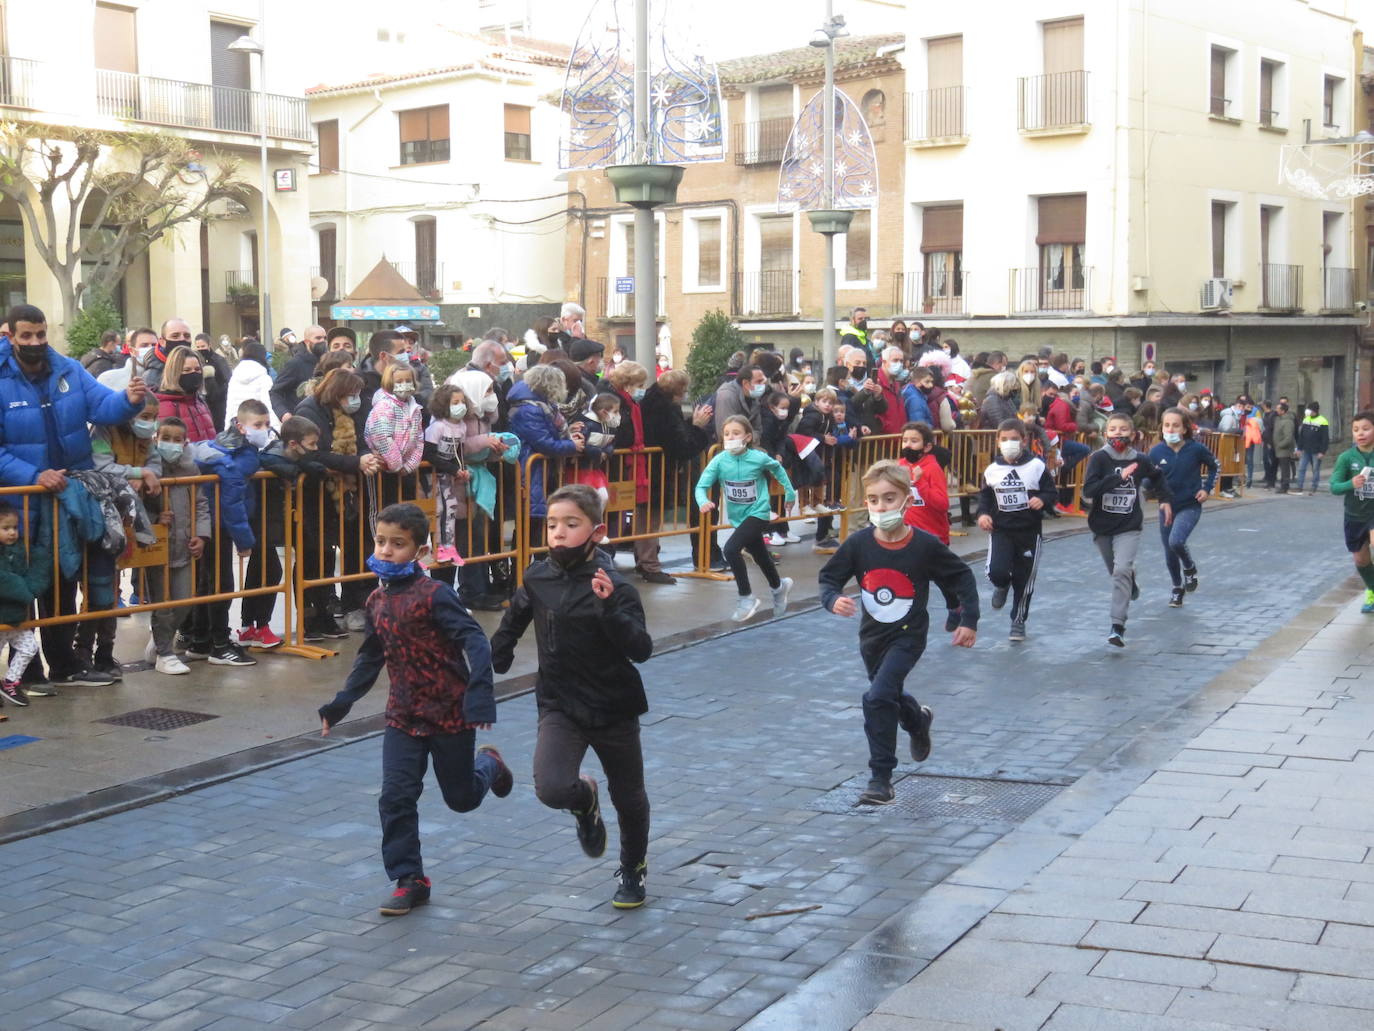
x=266, y=639
x=248, y=637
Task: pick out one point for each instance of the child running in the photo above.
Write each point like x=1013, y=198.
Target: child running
x=1353, y=476
x=23, y=577
x=894, y=566
x=439, y=664
x=589, y=626
x=743, y=471
x=1184, y=461
x=1017, y=487
x=929, y=508
x=1113, y=483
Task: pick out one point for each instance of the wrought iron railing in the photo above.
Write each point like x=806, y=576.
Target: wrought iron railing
x=1339, y=286
x=1051, y=288
x=936, y=114
x=239, y=287
x=760, y=143
x=17, y=82
x=616, y=305
x=1058, y=100
x=772, y=292
x=426, y=277
x=1280, y=287
x=942, y=294
x=144, y=98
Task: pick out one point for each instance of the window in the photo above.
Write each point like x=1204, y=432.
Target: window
x=116, y=48
x=328, y=256
x=1270, y=72
x=1221, y=224
x=1060, y=237
x=518, y=133
x=858, y=248
x=426, y=250
x=1222, y=60
x=1332, y=101
x=327, y=146
x=710, y=248
x=424, y=135
x=944, y=106
x=874, y=108
x=942, y=258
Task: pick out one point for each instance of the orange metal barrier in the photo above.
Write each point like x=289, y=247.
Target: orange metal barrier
x=1230, y=451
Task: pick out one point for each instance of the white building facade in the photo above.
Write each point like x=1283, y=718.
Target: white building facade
x=1104, y=179
x=450, y=174
x=162, y=65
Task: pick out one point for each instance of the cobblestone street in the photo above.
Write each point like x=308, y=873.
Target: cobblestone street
x=253, y=903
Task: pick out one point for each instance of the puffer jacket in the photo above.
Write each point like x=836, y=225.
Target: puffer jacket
x=249, y=382
x=230, y=457
x=22, y=579
x=34, y=438
x=190, y=409
x=535, y=422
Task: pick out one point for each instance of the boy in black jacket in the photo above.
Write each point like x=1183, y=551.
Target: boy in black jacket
x=1017, y=489
x=589, y=626
x=1113, y=482
x=894, y=565
x=439, y=664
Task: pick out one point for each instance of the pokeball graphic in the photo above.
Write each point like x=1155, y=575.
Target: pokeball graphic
x=887, y=595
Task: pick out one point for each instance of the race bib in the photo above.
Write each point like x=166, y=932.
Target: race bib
x=741, y=492
x=1366, y=493
x=1119, y=502
x=916, y=500
x=1012, y=497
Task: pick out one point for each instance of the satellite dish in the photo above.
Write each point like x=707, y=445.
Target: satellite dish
x=319, y=286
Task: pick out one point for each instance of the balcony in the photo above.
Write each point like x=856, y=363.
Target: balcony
x=17, y=82
x=773, y=293
x=760, y=143
x=428, y=277
x=333, y=275
x=1053, y=104
x=936, y=116
x=943, y=296
x=239, y=288
x=194, y=105
x=1339, y=288
x=1281, y=288
x=1050, y=290
x=615, y=305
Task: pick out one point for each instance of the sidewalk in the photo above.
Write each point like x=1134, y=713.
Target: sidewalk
x=1232, y=889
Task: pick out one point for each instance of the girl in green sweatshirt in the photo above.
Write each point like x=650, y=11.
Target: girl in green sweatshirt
x=742, y=472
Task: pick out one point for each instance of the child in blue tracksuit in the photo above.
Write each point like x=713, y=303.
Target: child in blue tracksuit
x=233, y=457
x=1190, y=470
x=743, y=471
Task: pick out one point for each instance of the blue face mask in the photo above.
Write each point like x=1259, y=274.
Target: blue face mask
x=392, y=570
x=638, y=394
x=403, y=357
x=351, y=404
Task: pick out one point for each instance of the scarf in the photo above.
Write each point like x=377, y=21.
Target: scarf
x=641, y=462
x=345, y=443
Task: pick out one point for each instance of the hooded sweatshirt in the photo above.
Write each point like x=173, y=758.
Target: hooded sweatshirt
x=1116, y=499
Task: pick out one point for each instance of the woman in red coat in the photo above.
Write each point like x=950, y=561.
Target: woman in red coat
x=179, y=395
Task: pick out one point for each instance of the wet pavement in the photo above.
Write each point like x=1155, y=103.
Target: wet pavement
x=253, y=902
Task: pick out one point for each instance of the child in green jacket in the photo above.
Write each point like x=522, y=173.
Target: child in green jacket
x=22, y=578
x=1354, y=478
x=742, y=471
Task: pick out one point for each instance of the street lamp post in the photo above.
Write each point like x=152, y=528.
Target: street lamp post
x=829, y=221
x=248, y=45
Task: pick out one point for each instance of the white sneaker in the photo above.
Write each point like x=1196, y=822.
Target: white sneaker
x=775, y=540
x=171, y=665
x=747, y=606
x=791, y=538
x=356, y=621
x=150, y=650
x=780, y=594
x=809, y=511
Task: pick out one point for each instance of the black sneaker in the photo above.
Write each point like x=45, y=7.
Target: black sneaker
x=1190, y=580
x=228, y=655
x=591, y=829
x=85, y=678
x=192, y=650
x=1117, y=638
x=328, y=629
x=411, y=891
x=1018, y=630
x=828, y=545
x=487, y=603
x=1176, y=598
x=630, y=894
x=878, y=792
x=952, y=620
x=920, y=739
x=657, y=576
x=312, y=634
x=504, y=780
x=999, y=597
x=11, y=692
x=108, y=667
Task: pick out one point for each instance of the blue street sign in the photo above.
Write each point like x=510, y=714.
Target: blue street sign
x=625, y=284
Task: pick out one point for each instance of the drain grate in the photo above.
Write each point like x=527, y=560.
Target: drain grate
x=158, y=719
x=975, y=800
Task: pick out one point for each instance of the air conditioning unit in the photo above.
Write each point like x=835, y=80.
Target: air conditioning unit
x=1216, y=294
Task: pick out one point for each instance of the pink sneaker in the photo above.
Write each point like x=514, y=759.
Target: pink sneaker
x=448, y=553
x=265, y=638
x=248, y=636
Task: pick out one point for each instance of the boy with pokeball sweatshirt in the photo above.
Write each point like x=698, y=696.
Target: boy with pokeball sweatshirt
x=894, y=565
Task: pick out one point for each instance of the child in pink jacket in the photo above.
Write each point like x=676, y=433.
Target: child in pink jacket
x=395, y=426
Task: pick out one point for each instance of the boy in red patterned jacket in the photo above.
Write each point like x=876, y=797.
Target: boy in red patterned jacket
x=438, y=699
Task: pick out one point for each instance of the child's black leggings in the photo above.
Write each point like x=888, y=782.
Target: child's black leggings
x=748, y=536
x=1013, y=558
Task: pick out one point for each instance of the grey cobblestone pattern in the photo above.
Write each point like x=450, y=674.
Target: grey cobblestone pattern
x=253, y=903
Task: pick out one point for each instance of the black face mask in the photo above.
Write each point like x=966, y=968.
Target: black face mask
x=190, y=382
x=31, y=354
x=912, y=455
x=319, y=350
x=570, y=557
x=861, y=324
x=858, y=375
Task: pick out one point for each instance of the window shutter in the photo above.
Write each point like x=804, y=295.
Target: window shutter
x=414, y=125
x=1063, y=219
x=116, y=48
x=438, y=122
x=328, y=133
x=1064, y=46
x=942, y=229
x=945, y=62
x=518, y=119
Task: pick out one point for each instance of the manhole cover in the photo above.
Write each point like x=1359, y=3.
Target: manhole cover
x=975, y=800
x=158, y=719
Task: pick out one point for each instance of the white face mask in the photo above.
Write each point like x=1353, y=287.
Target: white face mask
x=735, y=445
x=1027, y=378
x=1309, y=413
x=1172, y=438
x=1011, y=449
x=889, y=520
x=612, y=422
x=258, y=436
x=489, y=405
x=457, y=411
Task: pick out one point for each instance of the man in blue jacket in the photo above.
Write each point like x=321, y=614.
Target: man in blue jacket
x=46, y=402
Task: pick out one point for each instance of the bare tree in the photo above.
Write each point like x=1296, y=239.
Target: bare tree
x=100, y=199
